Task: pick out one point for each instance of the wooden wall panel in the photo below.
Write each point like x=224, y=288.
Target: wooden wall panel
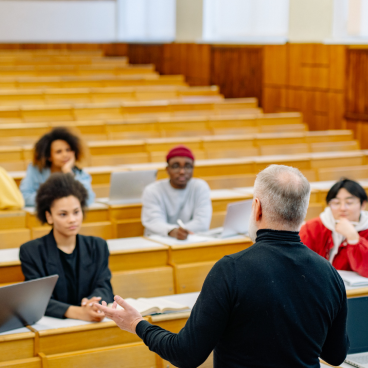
x=238, y=71
x=191, y=60
x=314, y=82
x=356, y=100
x=147, y=54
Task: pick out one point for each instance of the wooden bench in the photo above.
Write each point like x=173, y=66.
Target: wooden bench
x=74, y=70
x=17, y=345
x=63, y=113
x=92, y=81
x=19, y=97
x=134, y=128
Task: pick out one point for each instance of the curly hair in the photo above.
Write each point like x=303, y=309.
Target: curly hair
x=58, y=186
x=42, y=149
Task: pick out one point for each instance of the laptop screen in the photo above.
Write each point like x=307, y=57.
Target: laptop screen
x=357, y=324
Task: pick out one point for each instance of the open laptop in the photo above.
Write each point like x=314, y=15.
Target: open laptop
x=25, y=303
x=236, y=220
x=357, y=326
x=127, y=186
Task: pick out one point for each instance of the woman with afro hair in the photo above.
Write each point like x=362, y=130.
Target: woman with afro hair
x=80, y=261
x=56, y=151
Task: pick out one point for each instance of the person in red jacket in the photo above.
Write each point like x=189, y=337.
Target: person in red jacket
x=340, y=233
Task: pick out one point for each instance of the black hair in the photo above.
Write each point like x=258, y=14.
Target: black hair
x=59, y=186
x=351, y=186
x=42, y=149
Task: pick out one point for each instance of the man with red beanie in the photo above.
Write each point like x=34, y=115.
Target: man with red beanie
x=178, y=198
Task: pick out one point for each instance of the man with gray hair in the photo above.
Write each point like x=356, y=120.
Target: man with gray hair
x=275, y=304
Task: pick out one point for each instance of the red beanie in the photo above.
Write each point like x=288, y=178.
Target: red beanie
x=180, y=151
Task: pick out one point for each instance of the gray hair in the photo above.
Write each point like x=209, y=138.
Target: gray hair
x=284, y=195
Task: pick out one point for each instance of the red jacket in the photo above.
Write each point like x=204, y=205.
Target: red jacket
x=349, y=257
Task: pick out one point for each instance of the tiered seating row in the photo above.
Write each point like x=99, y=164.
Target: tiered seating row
x=147, y=79
x=118, y=152
x=212, y=105
x=113, y=69
x=155, y=127
x=21, y=97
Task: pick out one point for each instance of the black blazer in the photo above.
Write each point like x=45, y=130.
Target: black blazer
x=40, y=258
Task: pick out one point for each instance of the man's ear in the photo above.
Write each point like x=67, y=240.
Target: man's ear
x=257, y=209
x=364, y=205
x=49, y=218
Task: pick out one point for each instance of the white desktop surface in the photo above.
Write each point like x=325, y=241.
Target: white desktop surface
x=9, y=255
x=188, y=299
x=16, y=331
x=225, y=193
x=131, y=243
x=343, y=365
x=245, y=190
x=192, y=239
x=50, y=323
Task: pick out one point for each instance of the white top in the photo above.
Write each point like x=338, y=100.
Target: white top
x=164, y=205
x=16, y=331
x=131, y=244
x=9, y=255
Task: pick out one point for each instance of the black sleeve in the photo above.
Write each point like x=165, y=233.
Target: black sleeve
x=206, y=324
x=337, y=344
x=33, y=271
x=102, y=286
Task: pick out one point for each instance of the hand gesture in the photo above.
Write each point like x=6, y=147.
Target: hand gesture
x=90, y=302
x=68, y=166
x=345, y=228
x=87, y=312
x=127, y=318
x=179, y=233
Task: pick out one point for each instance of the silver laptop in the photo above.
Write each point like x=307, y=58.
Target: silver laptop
x=25, y=303
x=127, y=186
x=236, y=220
x=357, y=326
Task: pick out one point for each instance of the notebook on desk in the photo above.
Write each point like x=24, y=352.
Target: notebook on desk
x=236, y=221
x=357, y=326
x=127, y=186
x=351, y=278
x=25, y=303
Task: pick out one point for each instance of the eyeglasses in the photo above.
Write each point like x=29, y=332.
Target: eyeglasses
x=177, y=167
x=335, y=204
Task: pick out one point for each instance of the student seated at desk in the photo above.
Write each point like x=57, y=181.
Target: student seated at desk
x=178, y=198
x=80, y=261
x=340, y=233
x=57, y=151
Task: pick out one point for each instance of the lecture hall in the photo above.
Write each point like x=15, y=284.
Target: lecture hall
x=183, y=183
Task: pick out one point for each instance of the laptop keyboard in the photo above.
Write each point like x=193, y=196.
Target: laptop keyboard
x=362, y=359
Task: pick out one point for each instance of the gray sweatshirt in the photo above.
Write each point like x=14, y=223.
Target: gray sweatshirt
x=163, y=205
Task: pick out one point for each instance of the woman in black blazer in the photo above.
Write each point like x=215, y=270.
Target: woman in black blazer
x=80, y=261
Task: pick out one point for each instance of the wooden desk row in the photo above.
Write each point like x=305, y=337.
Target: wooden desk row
x=243, y=168
x=21, y=97
x=58, y=343
x=263, y=142
x=74, y=70
x=211, y=105
x=150, y=79
x=154, y=127
x=144, y=268
x=119, y=152
x=108, y=222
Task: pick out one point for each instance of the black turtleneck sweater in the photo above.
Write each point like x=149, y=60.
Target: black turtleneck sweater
x=275, y=304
